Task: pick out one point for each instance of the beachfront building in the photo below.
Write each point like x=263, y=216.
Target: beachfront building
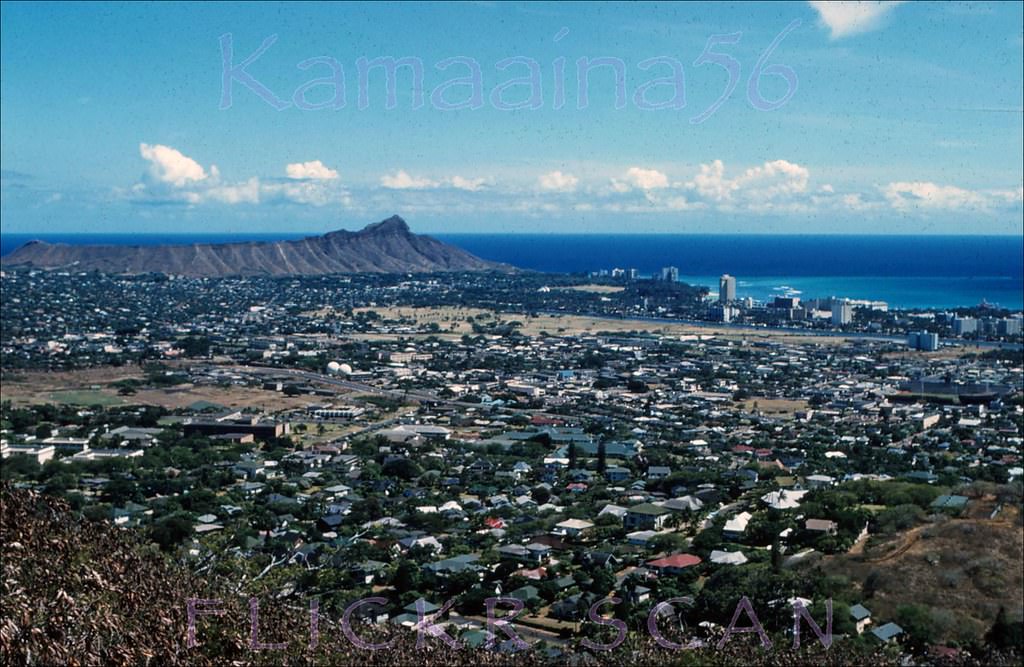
x=726, y=289
x=842, y=312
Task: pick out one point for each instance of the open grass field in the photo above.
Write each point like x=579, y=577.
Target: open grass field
x=457, y=321
x=81, y=387
x=595, y=289
x=85, y=397
x=231, y=397
x=92, y=387
x=775, y=407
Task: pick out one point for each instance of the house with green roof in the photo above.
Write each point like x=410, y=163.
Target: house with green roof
x=861, y=616
x=887, y=633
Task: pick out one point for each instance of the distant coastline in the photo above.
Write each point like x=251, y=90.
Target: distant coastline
x=907, y=272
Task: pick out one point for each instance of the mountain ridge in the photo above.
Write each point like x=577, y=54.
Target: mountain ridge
x=388, y=246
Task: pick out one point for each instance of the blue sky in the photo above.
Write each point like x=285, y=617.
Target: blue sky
x=904, y=118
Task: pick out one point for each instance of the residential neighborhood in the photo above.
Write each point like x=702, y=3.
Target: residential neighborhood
x=438, y=455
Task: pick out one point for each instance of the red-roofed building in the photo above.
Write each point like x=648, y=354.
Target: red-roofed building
x=494, y=522
x=539, y=420
x=536, y=574
x=946, y=652
x=673, y=564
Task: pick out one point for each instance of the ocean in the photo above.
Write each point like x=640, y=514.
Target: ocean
x=905, y=271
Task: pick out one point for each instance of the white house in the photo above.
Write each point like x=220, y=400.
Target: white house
x=783, y=499
x=572, y=527
x=727, y=557
x=737, y=525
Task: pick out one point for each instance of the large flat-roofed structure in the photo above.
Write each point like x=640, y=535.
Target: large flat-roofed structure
x=261, y=430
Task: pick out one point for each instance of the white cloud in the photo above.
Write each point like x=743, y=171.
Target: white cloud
x=315, y=170
x=855, y=202
x=174, y=178
x=923, y=194
x=642, y=179
x=769, y=182
x=774, y=179
x=1009, y=196
x=308, y=192
x=470, y=184
x=711, y=183
x=775, y=187
x=239, y=193
x=682, y=204
x=558, y=181
x=169, y=165
x=401, y=180
x=851, y=18
x=647, y=179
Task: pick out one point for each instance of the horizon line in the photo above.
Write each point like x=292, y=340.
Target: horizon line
x=531, y=233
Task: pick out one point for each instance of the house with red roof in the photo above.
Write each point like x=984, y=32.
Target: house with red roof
x=674, y=564
x=540, y=420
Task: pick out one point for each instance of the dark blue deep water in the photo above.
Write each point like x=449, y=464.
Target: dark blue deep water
x=906, y=271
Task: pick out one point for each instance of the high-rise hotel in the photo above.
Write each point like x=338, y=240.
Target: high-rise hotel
x=726, y=289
